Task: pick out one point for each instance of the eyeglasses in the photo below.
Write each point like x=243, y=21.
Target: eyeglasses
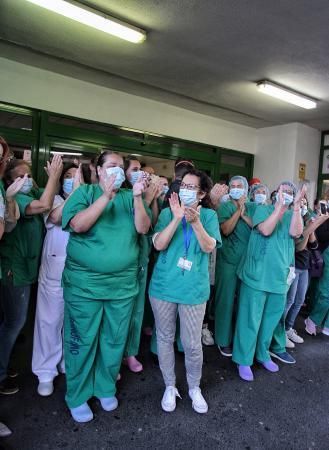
x=191, y=187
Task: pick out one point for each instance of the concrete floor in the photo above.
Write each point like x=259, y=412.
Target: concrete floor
x=287, y=410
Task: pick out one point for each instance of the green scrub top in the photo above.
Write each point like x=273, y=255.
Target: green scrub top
x=173, y=284
x=235, y=244
x=102, y=263
x=269, y=258
x=20, y=249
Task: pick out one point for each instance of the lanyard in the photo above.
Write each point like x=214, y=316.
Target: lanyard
x=187, y=231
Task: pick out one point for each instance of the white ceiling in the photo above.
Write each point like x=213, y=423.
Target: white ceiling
x=202, y=55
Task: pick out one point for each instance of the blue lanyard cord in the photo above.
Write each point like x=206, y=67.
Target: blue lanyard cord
x=187, y=231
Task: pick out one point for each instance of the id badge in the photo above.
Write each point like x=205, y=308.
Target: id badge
x=184, y=264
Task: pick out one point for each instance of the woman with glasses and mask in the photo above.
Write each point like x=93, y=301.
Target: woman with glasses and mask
x=185, y=235
x=20, y=255
x=100, y=282
x=47, y=357
x=235, y=225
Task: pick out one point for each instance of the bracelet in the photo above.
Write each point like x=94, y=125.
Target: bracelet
x=138, y=195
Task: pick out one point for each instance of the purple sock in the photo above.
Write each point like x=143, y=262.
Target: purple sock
x=245, y=373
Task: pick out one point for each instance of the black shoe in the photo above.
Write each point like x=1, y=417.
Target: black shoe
x=8, y=387
x=12, y=373
x=225, y=351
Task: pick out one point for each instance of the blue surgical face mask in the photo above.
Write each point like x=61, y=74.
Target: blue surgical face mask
x=236, y=193
x=68, y=185
x=187, y=196
x=134, y=176
x=287, y=198
x=165, y=189
x=303, y=210
x=27, y=186
x=260, y=198
x=120, y=176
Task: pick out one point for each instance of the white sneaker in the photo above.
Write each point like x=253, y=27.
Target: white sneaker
x=289, y=344
x=325, y=331
x=206, y=336
x=168, y=401
x=293, y=336
x=4, y=430
x=198, y=402
x=45, y=388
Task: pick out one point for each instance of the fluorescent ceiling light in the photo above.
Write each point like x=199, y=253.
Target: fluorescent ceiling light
x=94, y=19
x=266, y=87
x=140, y=131
x=66, y=153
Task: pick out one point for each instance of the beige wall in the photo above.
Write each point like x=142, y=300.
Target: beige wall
x=278, y=150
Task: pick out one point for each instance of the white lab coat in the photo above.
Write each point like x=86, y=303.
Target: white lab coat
x=48, y=340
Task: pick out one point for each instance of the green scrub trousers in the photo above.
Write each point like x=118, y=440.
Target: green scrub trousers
x=226, y=283
x=135, y=327
x=95, y=334
x=258, y=316
x=320, y=310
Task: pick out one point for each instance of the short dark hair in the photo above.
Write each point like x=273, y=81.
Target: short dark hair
x=11, y=166
x=182, y=165
x=127, y=159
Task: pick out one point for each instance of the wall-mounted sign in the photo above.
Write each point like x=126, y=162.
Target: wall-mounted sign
x=325, y=162
x=27, y=155
x=302, y=171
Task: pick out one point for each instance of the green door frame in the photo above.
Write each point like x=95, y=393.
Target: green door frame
x=46, y=133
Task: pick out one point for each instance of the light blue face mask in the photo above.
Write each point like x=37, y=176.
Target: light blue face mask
x=236, y=193
x=260, y=198
x=134, y=176
x=27, y=186
x=68, y=185
x=187, y=196
x=165, y=189
x=303, y=211
x=120, y=176
x=287, y=198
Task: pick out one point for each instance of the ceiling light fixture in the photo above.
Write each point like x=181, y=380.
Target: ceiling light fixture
x=274, y=90
x=134, y=130
x=94, y=19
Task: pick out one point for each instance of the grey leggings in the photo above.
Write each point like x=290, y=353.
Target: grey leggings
x=191, y=318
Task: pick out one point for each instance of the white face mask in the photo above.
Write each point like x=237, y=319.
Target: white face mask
x=236, y=193
x=260, y=198
x=188, y=196
x=134, y=176
x=303, y=210
x=120, y=176
x=27, y=186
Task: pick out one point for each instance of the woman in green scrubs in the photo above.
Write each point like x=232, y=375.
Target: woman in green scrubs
x=100, y=282
x=235, y=225
x=20, y=252
x=133, y=173
x=7, y=212
x=185, y=235
x=266, y=275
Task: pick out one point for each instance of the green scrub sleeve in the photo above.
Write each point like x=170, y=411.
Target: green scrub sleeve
x=225, y=211
x=78, y=201
x=23, y=200
x=164, y=219
x=211, y=226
